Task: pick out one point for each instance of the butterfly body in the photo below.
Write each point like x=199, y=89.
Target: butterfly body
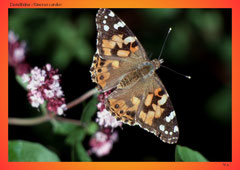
x=143, y=71
x=121, y=65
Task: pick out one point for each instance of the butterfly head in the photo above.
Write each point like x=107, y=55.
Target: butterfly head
x=157, y=63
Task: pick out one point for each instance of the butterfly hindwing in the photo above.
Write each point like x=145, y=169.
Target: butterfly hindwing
x=125, y=104
x=157, y=114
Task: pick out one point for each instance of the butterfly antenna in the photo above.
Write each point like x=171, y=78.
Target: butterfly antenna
x=170, y=29
x=188, y=77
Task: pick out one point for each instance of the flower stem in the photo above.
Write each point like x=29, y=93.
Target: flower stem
x=42, y=119
x=29, y=121
x=81, y=98
x=47, y=117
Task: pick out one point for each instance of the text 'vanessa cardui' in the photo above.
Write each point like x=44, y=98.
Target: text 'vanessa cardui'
x=121, y=64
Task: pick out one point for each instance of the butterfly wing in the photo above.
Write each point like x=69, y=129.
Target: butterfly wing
x=125, y=103
x=157, y=114
x=147, y=104
x=118, y=51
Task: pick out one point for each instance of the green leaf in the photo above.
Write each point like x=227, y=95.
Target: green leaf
x=24, y=151
x=20, y=81
x=89, y=110
x=81, y=153
x=92, y=128
x=185, y=154
x=63, y=128
x=75, y=136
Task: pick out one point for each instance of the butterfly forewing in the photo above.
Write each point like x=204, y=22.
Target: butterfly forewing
x=114, y=38
x=118, y=51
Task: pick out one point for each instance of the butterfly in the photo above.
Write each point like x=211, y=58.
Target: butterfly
x=120, y=64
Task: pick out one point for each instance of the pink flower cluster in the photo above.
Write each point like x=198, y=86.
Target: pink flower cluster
x=16, y=54
x=102, y=142
x=104, y=118
x=44, y=85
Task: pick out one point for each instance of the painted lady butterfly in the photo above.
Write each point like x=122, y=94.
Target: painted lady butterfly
x=121, y=64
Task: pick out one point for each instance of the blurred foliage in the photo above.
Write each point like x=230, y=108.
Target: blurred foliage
x=219, y=106
x=185, y=154
x=76, y=136
x=163, y=14
x=179, y=48
x=24, y=151
x=81, y=154
x=209, y=23
x=46, y=30
x=63, y=128
x=89, y=110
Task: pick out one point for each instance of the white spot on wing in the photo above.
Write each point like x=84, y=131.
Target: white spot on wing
x=175, y=129
x=104, y=21
x=171, y=116
x=129, y=40
x=115, y=26
x=111, y=14
x=105, y=16
x=162, y=100
x=106, y=28
x=119, y=24
x=162, y=127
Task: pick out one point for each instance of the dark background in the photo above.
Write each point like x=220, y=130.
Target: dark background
x=199, y=45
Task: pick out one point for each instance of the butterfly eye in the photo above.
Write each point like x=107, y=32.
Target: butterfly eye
x=116, y=106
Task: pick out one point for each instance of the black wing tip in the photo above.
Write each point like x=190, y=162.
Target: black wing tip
x=102, y=10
